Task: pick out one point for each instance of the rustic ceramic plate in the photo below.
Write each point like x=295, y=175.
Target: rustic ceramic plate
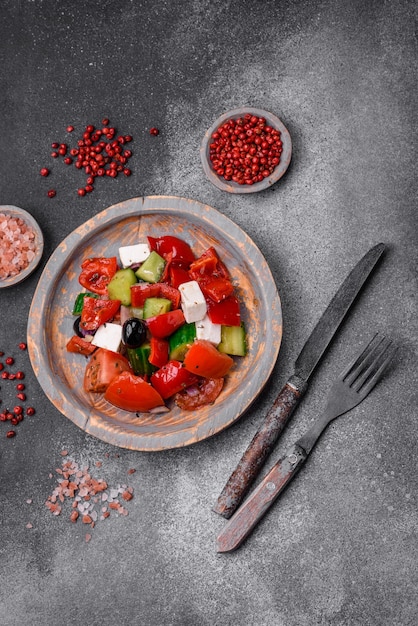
x=229, y=185
x=15, y=211
x=50, y=321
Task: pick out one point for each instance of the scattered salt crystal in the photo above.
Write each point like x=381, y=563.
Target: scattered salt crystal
x=29, y=525
x=29, y=501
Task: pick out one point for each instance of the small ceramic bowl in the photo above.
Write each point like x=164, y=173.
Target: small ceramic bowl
x=16, y=212
x=230, y=185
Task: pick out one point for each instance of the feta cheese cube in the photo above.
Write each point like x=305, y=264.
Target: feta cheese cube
x=193, y=301
x=130, y=255
x=205, y=329
x=108, y=336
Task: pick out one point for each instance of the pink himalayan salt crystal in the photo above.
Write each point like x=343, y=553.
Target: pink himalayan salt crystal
x=17, y=245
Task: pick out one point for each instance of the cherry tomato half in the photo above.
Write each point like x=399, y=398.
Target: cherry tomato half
x=204, y=359
x=204, y=392
x=102, y=368
x=132, y=393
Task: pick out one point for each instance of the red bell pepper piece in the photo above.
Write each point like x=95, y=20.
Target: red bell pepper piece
x=164, y=325
x=78, y=345
x=97, y=273
x=141, y=291
x=171, y=378
x=179, y=250
x=97, y=311
x=208, y=265
x=178, y=276
x=159, y=351
x=226, y=312
x=217, y=289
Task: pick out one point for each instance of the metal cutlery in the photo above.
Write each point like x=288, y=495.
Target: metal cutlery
x=263, y=441
x=348, y=390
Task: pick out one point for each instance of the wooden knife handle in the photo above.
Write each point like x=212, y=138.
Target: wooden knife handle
x=257, y=504
x=260, y=447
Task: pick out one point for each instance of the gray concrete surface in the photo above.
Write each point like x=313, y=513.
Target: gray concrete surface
x=340, y=546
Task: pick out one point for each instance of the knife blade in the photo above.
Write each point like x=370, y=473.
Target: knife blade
x=289, y=397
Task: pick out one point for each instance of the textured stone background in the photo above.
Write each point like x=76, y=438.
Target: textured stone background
x=339, y=548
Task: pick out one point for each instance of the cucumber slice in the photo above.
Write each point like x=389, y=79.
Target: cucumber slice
x=119, y=287
x=233, y=340
x=156, y=306
x=181, y=340
x=138, y=358
x=152, y=268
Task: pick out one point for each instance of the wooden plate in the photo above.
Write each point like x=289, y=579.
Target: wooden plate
x=50, y=321
x=15, y=211
x=229, y=185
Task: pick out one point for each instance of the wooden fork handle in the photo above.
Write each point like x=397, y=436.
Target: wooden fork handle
x=260, y=447
x=257, y=504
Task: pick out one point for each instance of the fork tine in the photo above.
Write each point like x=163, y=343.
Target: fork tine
x=352, y=370
x=368, y=367
x=368, y=386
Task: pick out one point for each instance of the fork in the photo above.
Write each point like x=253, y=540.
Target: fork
x=348, y=390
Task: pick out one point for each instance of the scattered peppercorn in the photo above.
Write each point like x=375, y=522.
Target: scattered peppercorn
x=154, y=131
x=99, y=152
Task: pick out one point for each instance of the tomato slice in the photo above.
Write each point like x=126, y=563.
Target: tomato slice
x=204, y=392
x=97, y=273
x=164, y=325
x=159, y=351
x=226, y=312
x=97, y=311
x=208, y=265
x=102, y=368
x=204, y=359
x=132, y=393
x=78, y=345
x=171, y=378
x=179, y=250
x=217, y=289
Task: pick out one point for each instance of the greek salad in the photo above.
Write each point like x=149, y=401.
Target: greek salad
x=157, y=323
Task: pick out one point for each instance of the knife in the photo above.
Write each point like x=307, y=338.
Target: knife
x=289, y=397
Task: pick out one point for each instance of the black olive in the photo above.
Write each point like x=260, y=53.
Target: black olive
x=134, y=332
x=76, y=327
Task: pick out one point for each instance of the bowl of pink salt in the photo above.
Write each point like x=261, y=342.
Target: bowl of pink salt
x=21, y=245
